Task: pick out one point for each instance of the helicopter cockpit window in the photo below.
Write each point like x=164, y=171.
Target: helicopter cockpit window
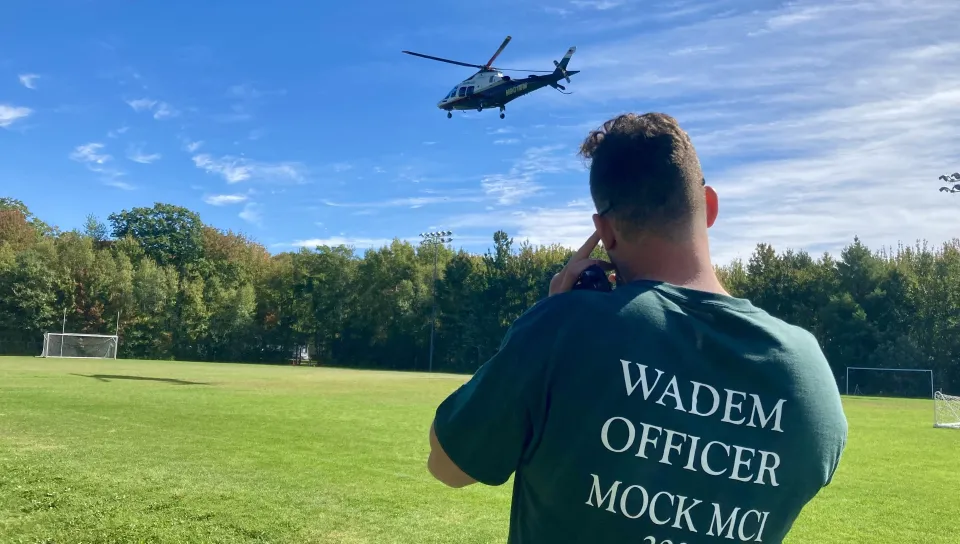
x=463, y=92
x=453, y=93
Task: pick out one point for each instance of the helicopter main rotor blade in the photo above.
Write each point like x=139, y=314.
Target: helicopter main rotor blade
x=497, y=54
x=458, y=63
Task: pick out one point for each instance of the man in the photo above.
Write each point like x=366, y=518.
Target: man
x=664, y=411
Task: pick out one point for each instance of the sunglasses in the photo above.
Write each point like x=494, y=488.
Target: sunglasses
x=703, y=182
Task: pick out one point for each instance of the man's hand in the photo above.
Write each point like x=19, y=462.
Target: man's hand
x=564, y=280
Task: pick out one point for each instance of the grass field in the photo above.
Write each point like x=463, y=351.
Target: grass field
x=142, y=451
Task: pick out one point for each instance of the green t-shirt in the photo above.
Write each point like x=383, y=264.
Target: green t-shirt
x=653, y=414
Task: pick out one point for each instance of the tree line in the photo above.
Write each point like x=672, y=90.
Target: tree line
x=185, y=290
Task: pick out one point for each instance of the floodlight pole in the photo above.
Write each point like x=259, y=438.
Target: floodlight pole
x=63, y=329
x=435, y=238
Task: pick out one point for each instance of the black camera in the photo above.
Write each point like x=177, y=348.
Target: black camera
x=593, y=278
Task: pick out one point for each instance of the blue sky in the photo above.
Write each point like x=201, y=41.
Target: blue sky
x=301, y=123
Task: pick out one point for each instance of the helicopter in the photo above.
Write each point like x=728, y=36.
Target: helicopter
x=490, y=88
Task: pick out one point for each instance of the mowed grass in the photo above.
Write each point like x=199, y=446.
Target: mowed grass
x=144, y=451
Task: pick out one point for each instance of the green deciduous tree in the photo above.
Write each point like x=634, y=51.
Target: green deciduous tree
x=95, y=229
x=168, y=234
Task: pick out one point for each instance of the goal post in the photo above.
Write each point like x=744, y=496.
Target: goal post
x=947, y=411
x=80, y=346
x=856, y=388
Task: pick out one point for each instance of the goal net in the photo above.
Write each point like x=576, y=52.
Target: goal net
x=889, y=382
x=947, y=409
x=79, y=346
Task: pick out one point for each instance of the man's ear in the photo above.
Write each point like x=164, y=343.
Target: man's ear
x=713, y=205
x=604, y=227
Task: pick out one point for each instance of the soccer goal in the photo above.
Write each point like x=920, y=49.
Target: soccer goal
x=890, y=382
x=80, y=346
x=947, y=410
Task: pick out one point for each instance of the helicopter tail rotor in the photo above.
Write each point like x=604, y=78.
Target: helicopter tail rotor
x=561, y=67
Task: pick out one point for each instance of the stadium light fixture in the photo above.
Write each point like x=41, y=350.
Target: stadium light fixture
x=436, y=238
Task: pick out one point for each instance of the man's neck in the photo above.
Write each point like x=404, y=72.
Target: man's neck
x=688, y=267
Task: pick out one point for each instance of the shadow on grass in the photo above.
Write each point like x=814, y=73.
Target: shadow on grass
x=108, y=377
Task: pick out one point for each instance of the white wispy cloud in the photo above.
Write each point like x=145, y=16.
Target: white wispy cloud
x=252, y=213
x=160, y=110
x=164, y=110
x=192, y=146
x=11, y=114
x=696, y=50
x=136, y=154
x=408, y=202
x=581, y=6
x=356, y=242
x=142, y=104
x=797, y=14
x=247, y=91
x=591, y=20
x=563, y=12
x=238, y=115
x=29, y=80
x=236, y=169
x=816, y=121
x=246, y=97
x=224, y=200
x=117, y=132
x=113, y=182
x=601, y=5
x=92, y=156
x=569, y=225
x=522, y=180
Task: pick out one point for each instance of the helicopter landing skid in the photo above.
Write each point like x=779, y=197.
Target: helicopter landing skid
x=480, y=108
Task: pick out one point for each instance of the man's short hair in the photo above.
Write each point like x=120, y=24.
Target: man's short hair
x=645, y=174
